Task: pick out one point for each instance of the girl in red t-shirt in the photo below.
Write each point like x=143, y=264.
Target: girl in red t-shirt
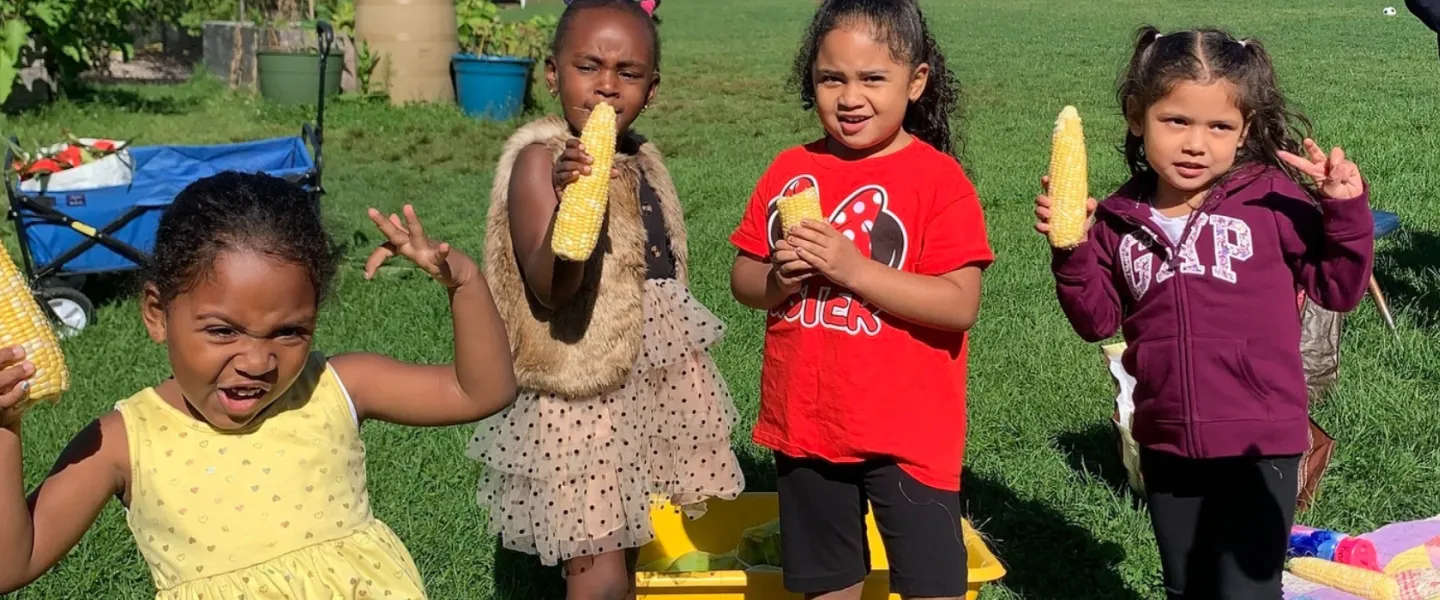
x=863, y=380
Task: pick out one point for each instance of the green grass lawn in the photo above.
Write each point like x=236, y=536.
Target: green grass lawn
x=1042, y=479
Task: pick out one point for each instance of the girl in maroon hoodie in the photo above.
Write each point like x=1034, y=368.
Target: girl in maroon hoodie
x=1197, y=260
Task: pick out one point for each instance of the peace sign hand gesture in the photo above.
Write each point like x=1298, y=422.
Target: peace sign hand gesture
x=451, y=268
x=1337, y=177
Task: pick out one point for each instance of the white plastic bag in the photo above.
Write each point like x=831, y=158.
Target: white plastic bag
x=1125, y=414
x=115, y=169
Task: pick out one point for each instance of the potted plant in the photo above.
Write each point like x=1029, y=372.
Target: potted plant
x=287, y=63
x=496, y=60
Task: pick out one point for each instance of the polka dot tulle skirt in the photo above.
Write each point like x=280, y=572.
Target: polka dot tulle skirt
x=566, y=478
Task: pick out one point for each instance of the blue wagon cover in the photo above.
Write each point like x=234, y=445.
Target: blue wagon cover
x=160, y=173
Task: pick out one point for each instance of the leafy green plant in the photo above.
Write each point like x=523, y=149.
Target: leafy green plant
x=482, y=32
x=13, y=35
x=71, y=36
x=342, y=16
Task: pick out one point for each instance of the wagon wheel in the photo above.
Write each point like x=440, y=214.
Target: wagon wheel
x=71, y=311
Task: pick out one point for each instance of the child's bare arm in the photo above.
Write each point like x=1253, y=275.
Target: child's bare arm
x=535, y=184
x=479, y=383
x=949, y=302
x=37, y=532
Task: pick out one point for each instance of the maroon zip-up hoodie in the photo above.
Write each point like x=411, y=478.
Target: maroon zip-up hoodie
x=1211, y=326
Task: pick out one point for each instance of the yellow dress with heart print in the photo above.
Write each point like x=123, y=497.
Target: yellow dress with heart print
x=278, y=510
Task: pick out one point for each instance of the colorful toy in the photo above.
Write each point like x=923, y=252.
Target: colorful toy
x=1333, y=546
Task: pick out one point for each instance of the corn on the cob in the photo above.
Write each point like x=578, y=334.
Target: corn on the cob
x=1364, y=583
x=1069, y=182
x=23, y=323
x=583, y=204
x=804, y=204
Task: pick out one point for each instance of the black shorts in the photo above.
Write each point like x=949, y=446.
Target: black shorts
x=822, y=528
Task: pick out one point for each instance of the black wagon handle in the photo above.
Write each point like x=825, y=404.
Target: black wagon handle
x=326, y=33
x=10, y=156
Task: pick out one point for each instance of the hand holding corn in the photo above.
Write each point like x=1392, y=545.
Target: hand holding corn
x=829, y=252
x=15, y=382
x=1045, y=208
x=572, y=163
x=790, y=270
x=584, y=197
x=43, y=375
x=1063, y=210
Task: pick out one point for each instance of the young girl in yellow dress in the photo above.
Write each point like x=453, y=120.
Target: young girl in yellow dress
x=243, y=475
x=619, y=398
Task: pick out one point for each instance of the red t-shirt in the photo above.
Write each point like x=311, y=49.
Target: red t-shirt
x=841, y=380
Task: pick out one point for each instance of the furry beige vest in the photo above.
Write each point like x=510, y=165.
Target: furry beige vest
x=589, y=346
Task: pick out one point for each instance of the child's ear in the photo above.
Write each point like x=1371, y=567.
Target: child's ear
x=152, y=311
x=654, y=85
x=552, y=75
x=918, y=81
x=1244, y=134
x=1134, y=117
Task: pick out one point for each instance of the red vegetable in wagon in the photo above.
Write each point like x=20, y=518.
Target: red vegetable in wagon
x=44, y=166
x=71, y=155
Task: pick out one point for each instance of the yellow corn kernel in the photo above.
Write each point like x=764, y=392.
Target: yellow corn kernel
x=23, y=323
x=1364, y=583
x=583, y=203
x=1069, y=183
x=805, y=204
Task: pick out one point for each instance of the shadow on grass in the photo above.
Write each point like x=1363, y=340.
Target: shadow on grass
x=131, y=101
x=1045, y=555
x=1408, y=266
x=117, y=287
x=1094, y=452
x=520, y=576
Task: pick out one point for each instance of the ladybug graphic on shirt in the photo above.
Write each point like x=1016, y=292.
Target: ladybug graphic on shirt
x=864, y=218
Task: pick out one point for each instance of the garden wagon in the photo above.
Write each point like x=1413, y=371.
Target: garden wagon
x=66, y=237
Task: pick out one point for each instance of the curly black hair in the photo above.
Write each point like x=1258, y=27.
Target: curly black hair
x=1160, y=61
x=233, y=211
x=901, y=25
x=573, y=8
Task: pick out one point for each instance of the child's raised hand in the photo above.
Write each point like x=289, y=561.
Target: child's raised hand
x=1043, y=206
x=410, y=242
x=14, y=381
x=790, y=270
x=572, y=163
x=1335, y=176
x=831, y=254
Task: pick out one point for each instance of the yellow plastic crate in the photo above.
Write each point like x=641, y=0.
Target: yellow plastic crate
x=719, y=531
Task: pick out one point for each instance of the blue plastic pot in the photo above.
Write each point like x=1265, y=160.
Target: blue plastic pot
x=491, y=87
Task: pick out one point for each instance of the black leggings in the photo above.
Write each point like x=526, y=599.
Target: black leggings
x=1222, y=524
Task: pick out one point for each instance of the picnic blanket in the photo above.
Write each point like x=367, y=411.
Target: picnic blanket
x=1408, y=551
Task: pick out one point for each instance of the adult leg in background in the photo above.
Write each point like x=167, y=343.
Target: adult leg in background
x=1428, y=11
x=822, y=528
x=608, y=576
x=920, y=527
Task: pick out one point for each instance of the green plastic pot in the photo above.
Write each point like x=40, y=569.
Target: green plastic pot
x=292, y=77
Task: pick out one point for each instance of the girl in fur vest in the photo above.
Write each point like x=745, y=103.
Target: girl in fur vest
x=619, y=400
